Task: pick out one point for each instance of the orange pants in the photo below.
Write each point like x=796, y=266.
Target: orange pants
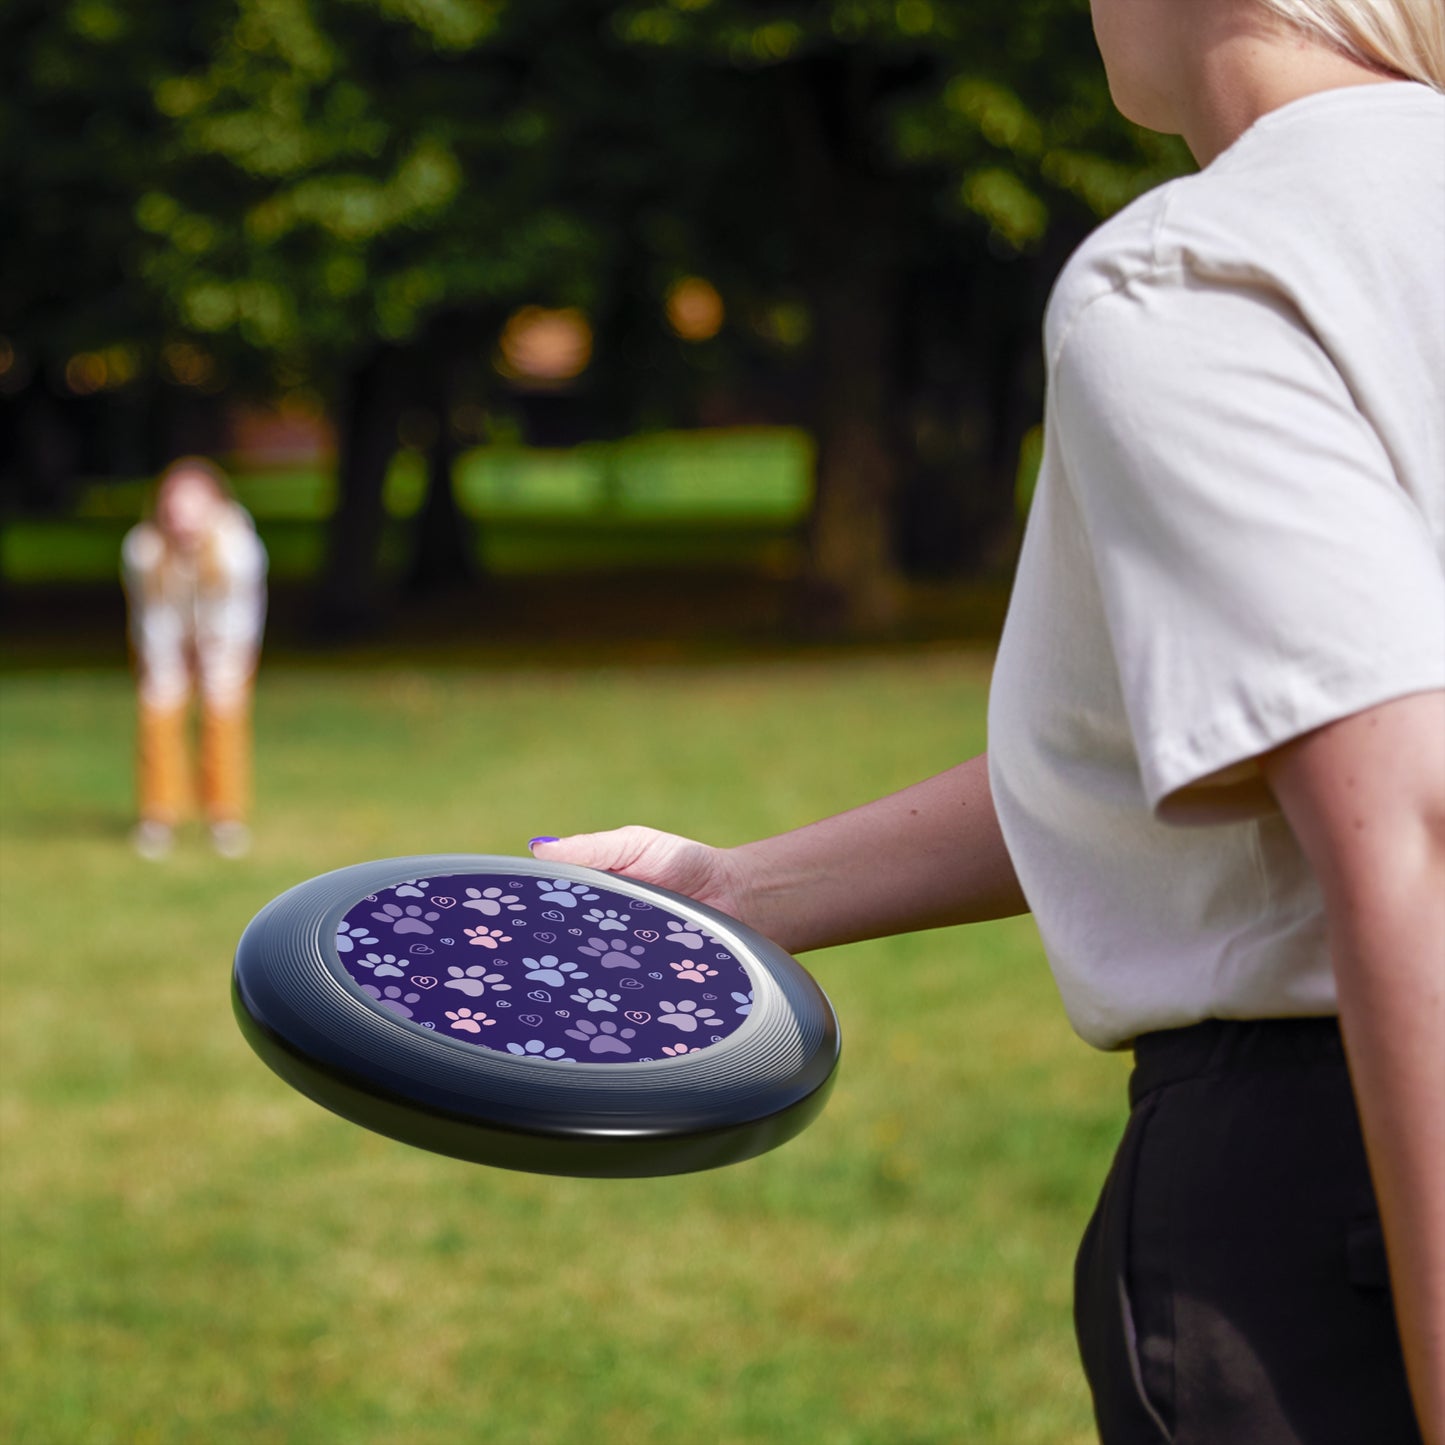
x=163, y=762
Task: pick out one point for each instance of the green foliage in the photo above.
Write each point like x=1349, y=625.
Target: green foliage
x=302, y=177
x=192, y=1252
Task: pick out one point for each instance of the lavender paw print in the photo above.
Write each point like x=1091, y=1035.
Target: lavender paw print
x=685, y=1016
x=565, y=894
x=349, y=935
x=408, y=919
x=603, y=1038
x=547, y=970
x=598, y=1000
x=492, y=901
x=603, y=919
x=537, y=1048
x=413, y=888
x=487, y=937
x=693, y=972
x=613, y=952
x=474, y=981
x=383, y=965
x=392, y=997
x=744, y=1002
x=687, y=934
x=469, y=1022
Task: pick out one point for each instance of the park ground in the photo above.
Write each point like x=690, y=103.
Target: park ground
x=193, y=1253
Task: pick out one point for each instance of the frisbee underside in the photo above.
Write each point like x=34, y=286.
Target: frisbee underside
x=442, y=1017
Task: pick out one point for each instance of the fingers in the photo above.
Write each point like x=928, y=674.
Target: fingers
x=612, y=852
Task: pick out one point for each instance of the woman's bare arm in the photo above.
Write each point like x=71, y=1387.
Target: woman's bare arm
x=926, y=857
x=1366, y=799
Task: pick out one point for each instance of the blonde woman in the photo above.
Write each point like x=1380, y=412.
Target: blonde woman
x=195, y=582
x=1217, y=735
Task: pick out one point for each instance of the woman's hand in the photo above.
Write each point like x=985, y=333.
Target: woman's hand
x=710, y=875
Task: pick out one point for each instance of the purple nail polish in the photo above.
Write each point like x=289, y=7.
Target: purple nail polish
x=533, y=843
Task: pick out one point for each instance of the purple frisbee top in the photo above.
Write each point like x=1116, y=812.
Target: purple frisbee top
x=544, y=968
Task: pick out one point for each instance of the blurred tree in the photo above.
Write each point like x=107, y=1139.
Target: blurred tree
x=924, y=165
x=79, y=139
x=355, y=194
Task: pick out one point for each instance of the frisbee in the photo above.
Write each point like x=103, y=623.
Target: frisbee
x=535, y=1016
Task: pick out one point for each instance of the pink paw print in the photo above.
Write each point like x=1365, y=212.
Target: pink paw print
x=697, y=972
x=486, y=937
x=469, y=1022
x=673, y=1050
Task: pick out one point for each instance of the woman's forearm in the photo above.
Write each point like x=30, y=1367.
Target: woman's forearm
x=926, y=857
x=1365, y=797
x=1389, y=956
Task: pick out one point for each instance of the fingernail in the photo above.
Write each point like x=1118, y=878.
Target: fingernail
x=533, y=843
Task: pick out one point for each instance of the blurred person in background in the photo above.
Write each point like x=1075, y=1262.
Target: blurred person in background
x=1216, y=767
x=195, y=583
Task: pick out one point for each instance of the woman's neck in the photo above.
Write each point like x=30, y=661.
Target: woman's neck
x=1243, y=70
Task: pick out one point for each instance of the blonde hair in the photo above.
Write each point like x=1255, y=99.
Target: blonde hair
x=210, y=571
x=1404, y=37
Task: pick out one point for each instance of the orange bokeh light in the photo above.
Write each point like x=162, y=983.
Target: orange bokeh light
x=545, y=346
x=695, y=310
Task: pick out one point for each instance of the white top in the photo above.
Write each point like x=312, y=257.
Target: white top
x=196, y=620
x=1238, y=536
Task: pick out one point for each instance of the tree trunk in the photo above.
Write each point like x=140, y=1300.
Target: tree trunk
x=852, y=563
x=851, y=265
x=350, y=600
x=442, y=557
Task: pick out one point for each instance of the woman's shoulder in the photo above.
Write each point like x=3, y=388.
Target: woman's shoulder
x=239, y=548
x=1338, y=192
x=142, y=548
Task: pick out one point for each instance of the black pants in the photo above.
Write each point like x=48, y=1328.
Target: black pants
x=1231, y=1288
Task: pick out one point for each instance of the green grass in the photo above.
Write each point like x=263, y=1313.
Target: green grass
x=193, y=1253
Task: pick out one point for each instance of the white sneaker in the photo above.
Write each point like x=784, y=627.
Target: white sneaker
x=231, y=840
x=152, y=840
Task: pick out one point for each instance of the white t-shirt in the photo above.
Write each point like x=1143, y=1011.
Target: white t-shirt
x=187, y=628
x=1238, y=536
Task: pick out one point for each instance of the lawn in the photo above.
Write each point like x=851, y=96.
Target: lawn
x=192, y=1253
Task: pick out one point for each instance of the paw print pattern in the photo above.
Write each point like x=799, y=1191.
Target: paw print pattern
x=407, y=919
x=603, y=1038
x=604, y=918
x=350, y=935
x=547, y=970
x=469, y=1022
x=392, y=997
x=598, y=1001
x=492, y=901
x=537, y=1049
x=686, y=934
x=565, y=894
x=693, y=972
x=614, y=952
x=475, y=981
x=383, y=965
x=570, y=973
x=486, y=937
x=685, y=1016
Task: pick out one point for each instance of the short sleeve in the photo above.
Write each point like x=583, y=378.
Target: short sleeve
x=1263, y=571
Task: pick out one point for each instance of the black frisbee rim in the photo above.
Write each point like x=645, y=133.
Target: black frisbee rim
x=310, y=1023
